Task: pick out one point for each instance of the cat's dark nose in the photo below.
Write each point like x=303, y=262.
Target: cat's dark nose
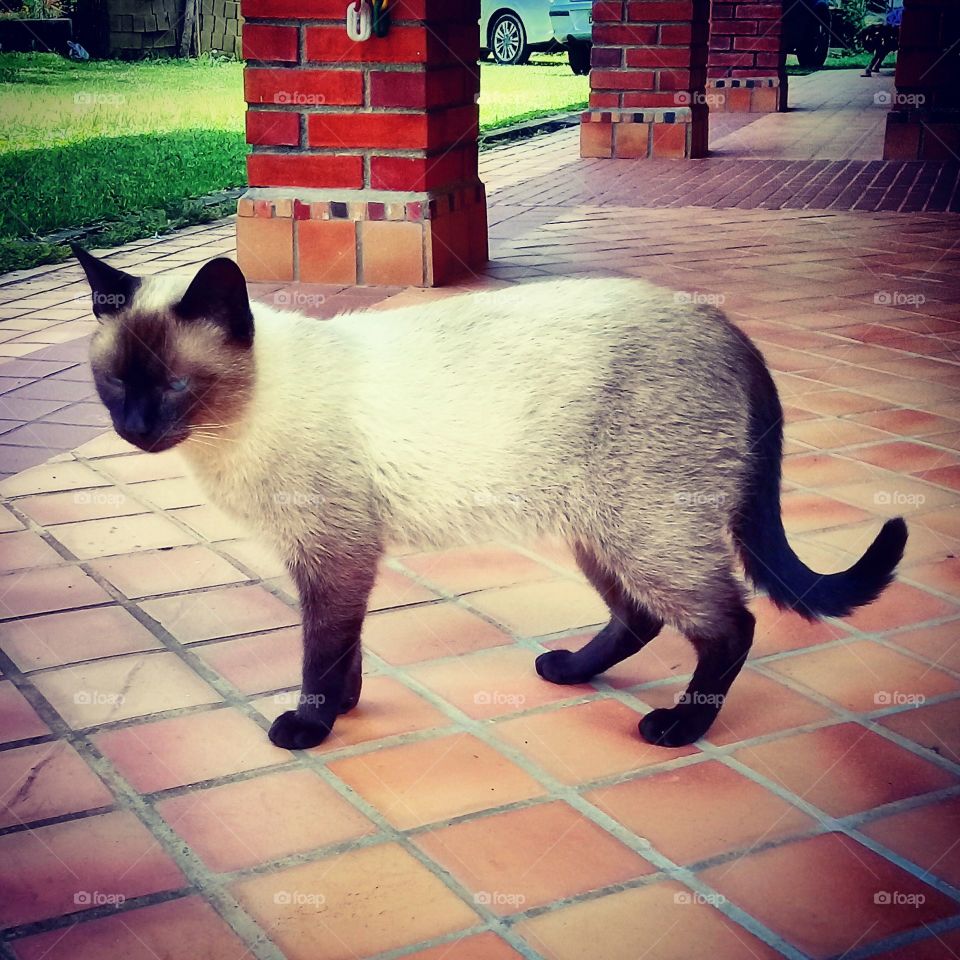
x=135, y=424
x=139, y=425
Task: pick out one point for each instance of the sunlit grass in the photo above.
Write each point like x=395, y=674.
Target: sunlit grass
x=81, y=143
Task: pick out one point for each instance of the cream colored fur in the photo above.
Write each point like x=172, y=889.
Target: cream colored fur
x=598, y=410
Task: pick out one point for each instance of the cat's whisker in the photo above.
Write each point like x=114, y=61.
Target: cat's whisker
x=213, y=436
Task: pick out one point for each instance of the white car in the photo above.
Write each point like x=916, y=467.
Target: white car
x=573, y=27
x=510, y=32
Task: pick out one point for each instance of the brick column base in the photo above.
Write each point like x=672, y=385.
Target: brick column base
x=924, y=118
x=745, y=95
x=917, y=134
x=387, y=239
x=680, y=132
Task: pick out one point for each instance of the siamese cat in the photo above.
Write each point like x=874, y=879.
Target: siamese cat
x=643, y=431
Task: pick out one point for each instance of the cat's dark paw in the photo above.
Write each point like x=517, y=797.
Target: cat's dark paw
x=348, y=702
x=675, y=727
x=292, y=732
x=559, y=666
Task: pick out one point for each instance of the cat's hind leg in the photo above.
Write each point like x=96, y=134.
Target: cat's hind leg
x=631, y=627
x=722, y=643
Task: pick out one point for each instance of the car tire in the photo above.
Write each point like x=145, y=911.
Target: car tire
x=508, y=40
x=812, y=53
x=578, y=53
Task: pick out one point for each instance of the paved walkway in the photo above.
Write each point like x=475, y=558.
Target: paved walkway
x=833, y=115
x=468, y=810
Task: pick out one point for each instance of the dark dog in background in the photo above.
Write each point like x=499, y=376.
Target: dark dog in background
x=881, y=39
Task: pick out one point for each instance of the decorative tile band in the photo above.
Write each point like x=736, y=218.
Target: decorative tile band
x=428, y=207
x=659, y=115
x=748, y=82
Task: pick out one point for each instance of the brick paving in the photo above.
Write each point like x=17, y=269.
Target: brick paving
x=467, y=809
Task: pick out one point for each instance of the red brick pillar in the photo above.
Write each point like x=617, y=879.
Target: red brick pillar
x=647, y=76
x=924, y=118
x=746, y=67
x=364, y=162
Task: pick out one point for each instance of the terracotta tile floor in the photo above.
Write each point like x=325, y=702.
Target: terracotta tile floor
x=467, y=809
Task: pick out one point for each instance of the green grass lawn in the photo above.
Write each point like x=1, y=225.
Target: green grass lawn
x=839, y=60
x=132, y=143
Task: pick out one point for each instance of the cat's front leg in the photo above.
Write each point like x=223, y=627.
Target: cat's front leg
x=333, y=601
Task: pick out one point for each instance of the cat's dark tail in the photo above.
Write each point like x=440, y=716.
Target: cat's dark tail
x=757, y=527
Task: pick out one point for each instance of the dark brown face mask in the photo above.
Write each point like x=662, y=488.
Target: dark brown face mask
x=150, y=391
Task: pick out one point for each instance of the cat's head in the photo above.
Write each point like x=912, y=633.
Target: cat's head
x=170, y=361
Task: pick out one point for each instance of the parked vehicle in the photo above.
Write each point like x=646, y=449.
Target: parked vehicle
x=572, y=22
x=806, y=28
x=806, y=25
x=511, y=32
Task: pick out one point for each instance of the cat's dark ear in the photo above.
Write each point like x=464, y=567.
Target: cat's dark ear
x=112, y=289
x=218, y=294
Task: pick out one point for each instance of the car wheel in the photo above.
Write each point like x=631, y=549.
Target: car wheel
x=812, y=53
x=508, y=40
x=578, y=53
